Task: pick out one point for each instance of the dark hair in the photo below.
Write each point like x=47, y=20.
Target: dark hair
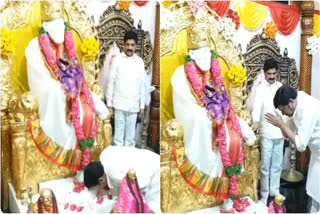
x=131, y=35
x=139, y=202
x=92, y=173
x=269, y=64
x=54, y=201
x=283, y=96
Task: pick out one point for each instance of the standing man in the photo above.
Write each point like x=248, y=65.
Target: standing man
x=272, y=138
x=126, y=91
x=303, y=130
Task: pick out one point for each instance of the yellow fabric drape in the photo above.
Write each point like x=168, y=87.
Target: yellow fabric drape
x=252, y=15
x=169, y=63
x=316, y=23
x=22, y=35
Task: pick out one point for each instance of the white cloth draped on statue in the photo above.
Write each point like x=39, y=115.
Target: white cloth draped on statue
x=52, y=99
x=198, y=127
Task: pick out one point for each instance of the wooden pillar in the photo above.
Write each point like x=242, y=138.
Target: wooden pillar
x=154, y=123
x=307, y=9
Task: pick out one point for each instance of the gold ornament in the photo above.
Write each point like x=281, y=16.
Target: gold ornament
x=51, y=10
x=199, y=32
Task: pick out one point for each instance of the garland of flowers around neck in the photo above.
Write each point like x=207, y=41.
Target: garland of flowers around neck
x=52, y=60
x=231, y=171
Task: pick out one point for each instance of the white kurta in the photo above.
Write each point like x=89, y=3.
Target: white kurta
x=263, y=104
x=306, y=124
x=52, y=99
x=117, y=160
x=198, y=127
x=126, y=87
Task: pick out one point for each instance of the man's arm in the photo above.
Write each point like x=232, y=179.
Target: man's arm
x=111, y=84
x=304, y=128
x=142, y=92
x=256, y=113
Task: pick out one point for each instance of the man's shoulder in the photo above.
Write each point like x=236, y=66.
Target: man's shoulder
x=139, y=59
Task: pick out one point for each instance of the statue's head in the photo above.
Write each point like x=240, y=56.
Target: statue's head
x=278, y=199
x=132, y=174
x=52, y=13
x=198, y=37
x=46, y=196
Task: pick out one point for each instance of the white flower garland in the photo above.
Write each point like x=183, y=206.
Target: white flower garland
x=313, y=45
x=227, y=28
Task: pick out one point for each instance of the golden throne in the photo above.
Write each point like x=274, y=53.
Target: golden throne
x=176, y=194
x=21, y=162
x=113, y=24
x=258, y=50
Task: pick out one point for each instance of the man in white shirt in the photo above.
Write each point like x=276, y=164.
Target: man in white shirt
x=272, y=138
x=303, y=130
x=125, y=91
x=115, y=162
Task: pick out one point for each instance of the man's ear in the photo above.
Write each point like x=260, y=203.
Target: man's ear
x=100, y=180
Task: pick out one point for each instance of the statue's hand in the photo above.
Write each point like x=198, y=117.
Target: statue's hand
x=73, y=62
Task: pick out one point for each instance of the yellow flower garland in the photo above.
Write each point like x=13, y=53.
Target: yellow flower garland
x=270, y=30
x=124, y=5
x=90, y=48
x=237, y=75
x=6, y=42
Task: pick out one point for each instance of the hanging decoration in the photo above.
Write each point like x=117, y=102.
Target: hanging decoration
x=313, y=45
x=140, y=3
x=235, y=18
x=286, y=17
x=124, y=5
x=316, y=23
x=270, y=30
x=166, y=4
x=6, y=42
x=252, y=14
x=219, y=6
x=194, y=6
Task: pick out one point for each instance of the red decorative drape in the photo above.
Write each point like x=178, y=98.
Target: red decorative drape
x=286, y=17
x=219, y=6
x=140, y=3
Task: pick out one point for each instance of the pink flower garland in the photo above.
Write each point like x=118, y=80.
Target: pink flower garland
x=194, y=6
x=51, y=59
x=45, y=45
x=69, y=43
x=190, y=69
x=76, y=112
x=86, y=157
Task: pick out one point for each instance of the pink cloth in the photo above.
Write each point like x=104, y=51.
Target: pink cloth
x=127, y=201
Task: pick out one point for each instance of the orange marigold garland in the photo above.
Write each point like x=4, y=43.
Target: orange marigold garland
x=124, y=5
x=270, y=30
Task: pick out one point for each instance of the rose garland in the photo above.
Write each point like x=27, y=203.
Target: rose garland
x=52, y=59
x=232, y=171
